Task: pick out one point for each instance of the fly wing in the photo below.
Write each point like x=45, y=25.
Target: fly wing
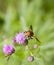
x=37, y=39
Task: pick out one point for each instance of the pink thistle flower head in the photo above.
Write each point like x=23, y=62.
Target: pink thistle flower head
x=30, y=58
x=20, y=38
x=8, y=49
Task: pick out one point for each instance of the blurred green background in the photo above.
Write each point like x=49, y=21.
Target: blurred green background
x=17, y=16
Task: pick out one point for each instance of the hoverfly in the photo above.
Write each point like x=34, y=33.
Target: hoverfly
x=30, y=35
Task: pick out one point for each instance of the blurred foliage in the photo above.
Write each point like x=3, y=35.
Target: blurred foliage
x=17, y=16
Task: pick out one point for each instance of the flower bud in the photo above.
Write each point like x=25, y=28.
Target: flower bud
x=30, y=58
x=35, y=46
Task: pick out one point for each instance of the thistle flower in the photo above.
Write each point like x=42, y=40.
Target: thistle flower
x=8, y=49
x=30, y=58
x=21, y=39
